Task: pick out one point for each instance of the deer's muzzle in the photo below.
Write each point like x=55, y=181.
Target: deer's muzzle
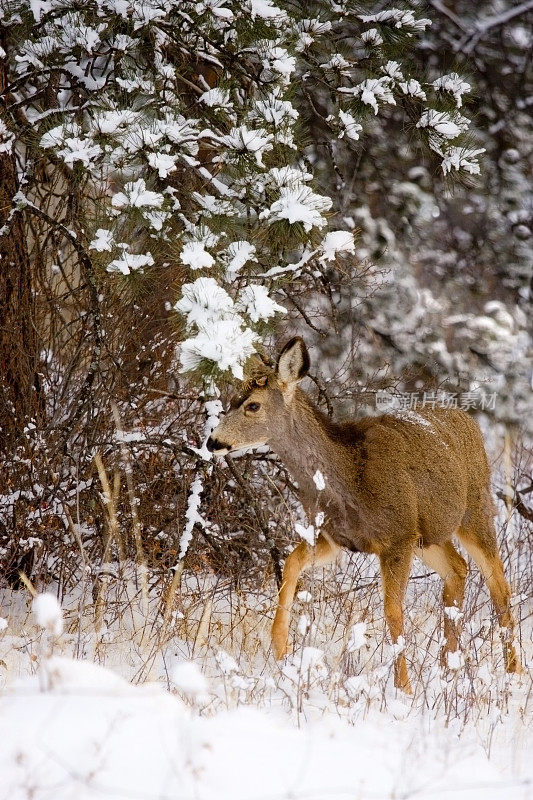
x=217, y=447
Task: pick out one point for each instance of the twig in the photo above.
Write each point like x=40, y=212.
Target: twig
x=87, y=266
x=274, y=551
x=442, y=9
x=516, y=502
x=303, y=313
x=470, y=39
x=126, y=455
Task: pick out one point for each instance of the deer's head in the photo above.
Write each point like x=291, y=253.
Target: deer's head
x=261, y=412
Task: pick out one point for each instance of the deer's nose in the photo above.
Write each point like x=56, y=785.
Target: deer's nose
x=214, y=445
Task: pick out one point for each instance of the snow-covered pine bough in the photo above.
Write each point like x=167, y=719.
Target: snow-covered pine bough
x=396, y=485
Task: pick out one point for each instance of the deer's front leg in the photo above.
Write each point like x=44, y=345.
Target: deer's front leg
x=301, y=557
x=395, y=568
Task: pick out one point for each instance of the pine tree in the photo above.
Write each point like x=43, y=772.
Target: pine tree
x=180, y=134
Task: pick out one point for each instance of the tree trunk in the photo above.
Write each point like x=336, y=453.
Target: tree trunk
x=19, y=381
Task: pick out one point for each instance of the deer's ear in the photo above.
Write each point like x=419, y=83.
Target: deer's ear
x=293, y=361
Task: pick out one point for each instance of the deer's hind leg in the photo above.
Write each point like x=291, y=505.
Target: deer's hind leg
x=479, y=540
x=453, y=569
x=324, y=552
x=395, y=567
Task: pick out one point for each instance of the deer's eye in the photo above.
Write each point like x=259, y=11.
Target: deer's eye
x=253, y=406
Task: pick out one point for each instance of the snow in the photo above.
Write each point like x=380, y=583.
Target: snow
x=453, y=613
x=307, y=27
x=254, y=301
x=303, y=624
x=319, y=521
x=336, y=242
x=443, y=127
x=77, y=149
x=455, y=660
x=453, y=84
x=47, y=612
x=40, y=7
x=411, y=416
x=188, y=678
x=224, y=13
x=130, y=436
x=144, y=12
x=156, y=219
x=112, y=122
x=279, y=60
x=357, y=637
x=299, y=205
x=102, y=241
x=62, y=675
x=130, y=262
x=204, y=302
x=3, y=624
x=228, y=722
x=136, y=195
x=256, y=141
x=372, y=36
x=458, y=158
x=6, y=137
x=350, y=127
x=441, y=122
x=399, y=18
x=222, y=335
x=226, y=663
x=196, y=256
x=306, y=532
x=392, y=69
x=372, y=91
x=192, y=516
x=213, y=410
x=266, y=10
x=412, y=88
x=163, y=163
x=217, y=98
x=336, y=61
x=146, y=744
x=319, y=481
x=214, y=205
x=239, y=253
x=226, y=343
x=274, y=111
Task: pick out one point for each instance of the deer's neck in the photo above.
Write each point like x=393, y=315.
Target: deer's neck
x=307, y=444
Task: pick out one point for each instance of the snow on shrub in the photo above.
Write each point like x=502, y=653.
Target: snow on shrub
x=48, y=614
x=187, y=677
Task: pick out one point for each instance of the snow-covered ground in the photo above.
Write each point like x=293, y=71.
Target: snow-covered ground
x=86, y=733
x=183, y=700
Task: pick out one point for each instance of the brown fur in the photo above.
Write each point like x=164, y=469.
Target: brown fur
x=396, y=485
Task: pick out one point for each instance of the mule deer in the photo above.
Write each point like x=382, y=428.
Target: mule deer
x=395, y=485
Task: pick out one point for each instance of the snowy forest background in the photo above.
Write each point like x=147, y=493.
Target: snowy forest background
x=185, y=183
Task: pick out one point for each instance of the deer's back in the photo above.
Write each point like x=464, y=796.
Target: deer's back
x=426, y=470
